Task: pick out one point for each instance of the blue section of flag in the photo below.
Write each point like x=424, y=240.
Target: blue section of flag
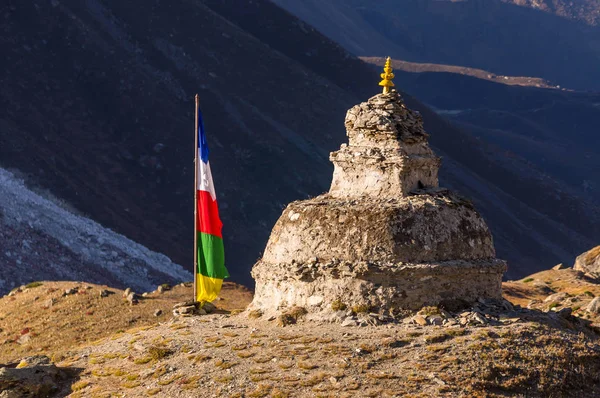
x=202, y=144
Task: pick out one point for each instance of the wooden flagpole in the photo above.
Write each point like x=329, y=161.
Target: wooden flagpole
x=196, y=200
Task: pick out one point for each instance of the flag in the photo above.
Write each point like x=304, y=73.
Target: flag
x=210, y=269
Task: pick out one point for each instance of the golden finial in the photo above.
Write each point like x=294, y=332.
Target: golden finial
x=387, y=76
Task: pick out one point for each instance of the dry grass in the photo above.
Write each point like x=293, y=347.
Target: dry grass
x=85, y=318
x=324, y=360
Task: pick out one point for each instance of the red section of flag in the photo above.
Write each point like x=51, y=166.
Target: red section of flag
x=208, y=220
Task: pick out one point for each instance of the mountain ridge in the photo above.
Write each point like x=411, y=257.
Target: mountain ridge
x=105, y=123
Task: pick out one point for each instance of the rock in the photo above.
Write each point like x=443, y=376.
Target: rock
x=132, y=298
x=71, y=291
x=158, y=312
x=533, y=303
x=565, y=312
x=189, y=303
x=106, y=293
x=435, y=320
x=188, y=308
x=127, y=292
x=49, y=303
x=349, y=322
x=34, y=376
x=556, y=297
x=200, y=311
x=419, y=320
x=480, y=318
x=559, y=267
x=589, y=261
x=163, y=288
x=594, y=306
x=24, y=339
x=542, y=288
x=209, y=307
x=315, y=300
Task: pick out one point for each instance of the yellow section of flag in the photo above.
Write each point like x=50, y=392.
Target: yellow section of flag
x=207, y=289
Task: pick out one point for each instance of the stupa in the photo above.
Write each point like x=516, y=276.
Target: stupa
x=386, y=236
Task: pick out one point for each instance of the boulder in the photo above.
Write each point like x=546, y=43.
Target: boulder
x=589, y=262
x=594, y=306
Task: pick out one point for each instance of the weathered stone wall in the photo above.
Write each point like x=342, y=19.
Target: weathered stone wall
x=377, y=173
x=321, y=287
x=385, y=237
x=388, y=154
x=419, y=228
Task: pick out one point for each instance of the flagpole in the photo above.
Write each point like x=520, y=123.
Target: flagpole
x=196, y=200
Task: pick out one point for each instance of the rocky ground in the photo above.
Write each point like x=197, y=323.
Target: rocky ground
x=48, y=317
x=495, y=348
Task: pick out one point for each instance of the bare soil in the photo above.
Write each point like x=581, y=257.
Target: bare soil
x=125, y=351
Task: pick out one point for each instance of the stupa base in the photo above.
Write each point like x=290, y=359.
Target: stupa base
x=325, y=289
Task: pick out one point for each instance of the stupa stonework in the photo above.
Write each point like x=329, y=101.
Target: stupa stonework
x=385, y=237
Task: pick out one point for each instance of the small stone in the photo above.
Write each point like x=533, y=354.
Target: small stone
x=559, y=267
x=184, y=304
x=132, y=298
x=105, y=293
x=315, y=300
x=69, y=292
x=186, y=310
x=49, y=303
x=209, y=307
x=480, y=318
x=556, y=297
x=126, y=292
x=565, y=312
x=349, y=322
x=419, y=320
x=435, y=320
x=158, y=312
x=24, y=339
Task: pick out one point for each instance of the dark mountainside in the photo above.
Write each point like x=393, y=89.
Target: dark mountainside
x=97, y=106
x=587, y=11
x=553, y=129
x=493, y=35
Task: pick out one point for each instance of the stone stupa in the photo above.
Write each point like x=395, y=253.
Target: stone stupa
x=385, y=237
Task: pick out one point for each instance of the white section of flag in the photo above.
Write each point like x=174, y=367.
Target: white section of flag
x=205, y=181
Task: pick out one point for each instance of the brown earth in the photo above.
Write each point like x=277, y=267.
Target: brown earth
x=127, y=351
x=30, y=325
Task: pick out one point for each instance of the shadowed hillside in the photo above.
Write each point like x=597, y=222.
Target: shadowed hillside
x=494, y=35
x=97, y=106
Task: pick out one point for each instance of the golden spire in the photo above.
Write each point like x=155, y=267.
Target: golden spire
x=387, y=76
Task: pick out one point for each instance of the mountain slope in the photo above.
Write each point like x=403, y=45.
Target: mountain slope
x=42, y=240
x=494, y=35
x=553, y=129
x=97, y=106
x=587, y=11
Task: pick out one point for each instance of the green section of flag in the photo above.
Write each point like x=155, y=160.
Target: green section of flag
x=211, y=256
